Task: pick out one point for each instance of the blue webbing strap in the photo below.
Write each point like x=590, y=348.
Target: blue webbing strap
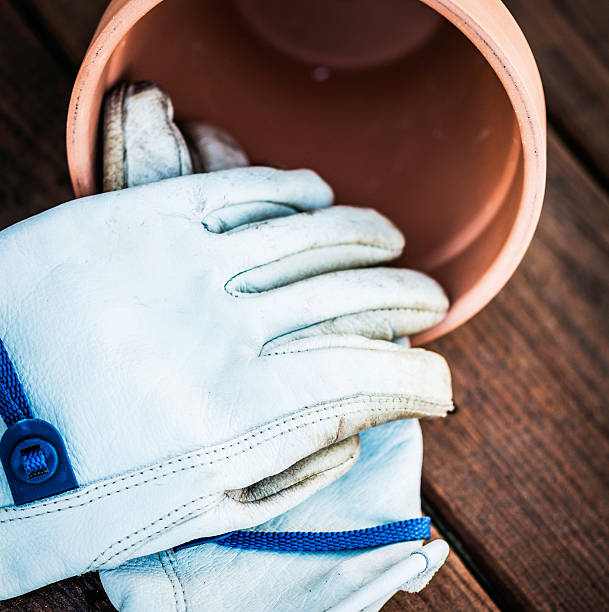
x=323, y=541
x=13, y=403
x=34, y=462
x=14, y=407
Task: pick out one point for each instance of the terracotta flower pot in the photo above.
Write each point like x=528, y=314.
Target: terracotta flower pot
x=431, y=111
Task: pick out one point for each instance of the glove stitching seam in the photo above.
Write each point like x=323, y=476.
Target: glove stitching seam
x=312, y=410
x=222, y=224
x=196, y=511
x=174, y=565
x=239, y=442
x=334, y=334
x=171, y=582
x=240, y=294
x=166, y=556
x=322, y=348
x=158, y=467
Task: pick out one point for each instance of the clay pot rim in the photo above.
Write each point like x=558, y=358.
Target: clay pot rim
x=500, y=41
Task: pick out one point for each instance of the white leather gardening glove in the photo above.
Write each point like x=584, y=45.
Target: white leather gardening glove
x=382, y=487
x=190, y=373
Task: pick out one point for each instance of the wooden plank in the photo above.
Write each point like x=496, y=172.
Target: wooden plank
x=33, y=106
x=82, y=594
x=520, y=471
x=71, y=23
x=590, y=18
x=571, y=44
x=452, y=588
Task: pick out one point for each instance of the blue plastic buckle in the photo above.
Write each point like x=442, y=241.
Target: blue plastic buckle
x=35, y=461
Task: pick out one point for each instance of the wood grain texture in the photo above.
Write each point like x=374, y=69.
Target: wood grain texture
x=71, y=23
x=452, y=588
x=33, y=105
x=82, y=594
x=570, y=40
x=520, y=472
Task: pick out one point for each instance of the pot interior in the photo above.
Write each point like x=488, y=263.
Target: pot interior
x=386, y=99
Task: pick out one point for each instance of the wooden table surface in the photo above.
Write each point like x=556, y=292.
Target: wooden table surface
x=517, y=479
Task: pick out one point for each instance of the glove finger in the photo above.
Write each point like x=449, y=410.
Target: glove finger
x=320, y=396
x=141, y=142
x=383, y=303
x=230, y=217
x=383, y=324
x=410, y=574
x=212, y=148
x=198, y=195
x=378, y=381
x=282, y=251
